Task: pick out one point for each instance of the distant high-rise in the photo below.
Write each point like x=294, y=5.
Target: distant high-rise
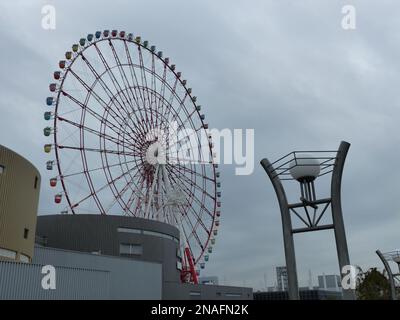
x=282, y=278
x=310, y=285
x=329, y=282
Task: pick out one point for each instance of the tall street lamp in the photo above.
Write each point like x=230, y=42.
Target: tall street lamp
x=305, y=167
x=385, y=258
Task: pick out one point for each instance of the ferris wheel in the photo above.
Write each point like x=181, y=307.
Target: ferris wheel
x=129, y=138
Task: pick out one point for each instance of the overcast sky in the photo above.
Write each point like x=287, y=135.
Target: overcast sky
x=286, y=69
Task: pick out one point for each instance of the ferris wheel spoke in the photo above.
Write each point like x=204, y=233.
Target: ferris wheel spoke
x=96, y=115
x=92, y=131
x=132, y=182
x=172, y=94
x=171, y=111
x=133, y=196
x=125, y=80
x=198, y=201
x=186, y=240
x=99, y=150
x=143, y=76
x=193, y=232
x=181, y=102
x=199, y=220
x=196, y=215
x=92, y=112
x=161, y=99
x=182, y=126
x=114, y=80
x=179, y=173
x=189, y=181
x=139, y=200
x=95, y=169
x=119, y=194
x=95, y=192
x=153, y=89
x=123, y=75
x=180, y=182
x=145, y=87
x=180, y=107
x=137, y=85
x=186, y=169
x=191, y=194
x=108, y=92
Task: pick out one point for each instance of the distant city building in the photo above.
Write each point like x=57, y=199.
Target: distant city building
x=282, y=278
x=209, y=280
x=329, y=282
x=305, y=294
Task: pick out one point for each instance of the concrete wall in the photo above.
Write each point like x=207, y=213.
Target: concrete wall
x=19, y=196
x=128, y=279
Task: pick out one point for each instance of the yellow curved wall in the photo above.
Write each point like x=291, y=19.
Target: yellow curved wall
x=19, y=197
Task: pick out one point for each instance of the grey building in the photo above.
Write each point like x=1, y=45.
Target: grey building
x=331, y=282
x=208, y=280
x=307, y=294
x=137, y=240
x=90, y=256
x=79, y=275
x=282, y=278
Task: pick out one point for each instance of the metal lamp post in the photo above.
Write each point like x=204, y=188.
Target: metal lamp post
x=305, y=167
x=385, y=258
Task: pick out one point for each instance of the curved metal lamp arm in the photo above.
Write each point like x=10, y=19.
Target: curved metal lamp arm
x=287, y=230
x=390, y=274
x=337, y=214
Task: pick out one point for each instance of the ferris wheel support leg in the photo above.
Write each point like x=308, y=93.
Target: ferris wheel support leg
x=191, y=266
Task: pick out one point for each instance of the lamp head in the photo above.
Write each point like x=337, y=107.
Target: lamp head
x=396, y=256
x=304, y=168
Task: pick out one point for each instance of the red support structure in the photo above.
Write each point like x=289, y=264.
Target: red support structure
x=188, y=269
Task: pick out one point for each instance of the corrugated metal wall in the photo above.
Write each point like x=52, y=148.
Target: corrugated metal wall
x=129, y=279
x=24, y=281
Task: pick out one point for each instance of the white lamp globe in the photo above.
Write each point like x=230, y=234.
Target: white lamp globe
x=304, y=167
